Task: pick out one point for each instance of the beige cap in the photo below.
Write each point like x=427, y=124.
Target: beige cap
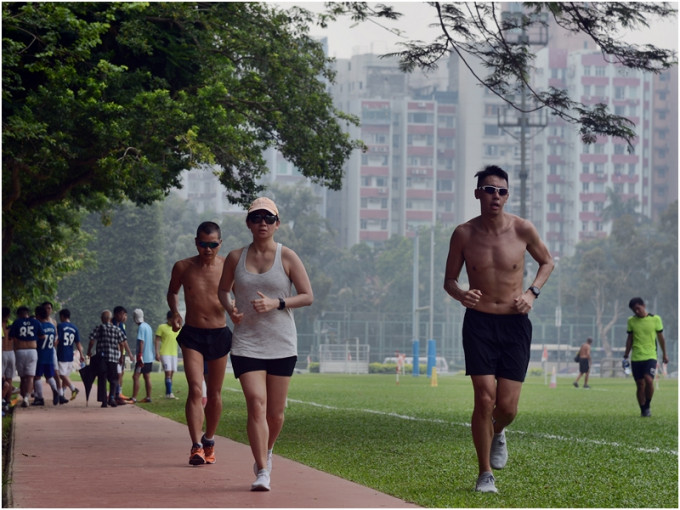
x=263, y=203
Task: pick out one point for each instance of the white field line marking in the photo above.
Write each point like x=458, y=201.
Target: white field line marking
x=556, y=437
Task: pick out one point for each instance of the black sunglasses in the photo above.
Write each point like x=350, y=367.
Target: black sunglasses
x=492, y=189
x=208, y=244
x=269, y=219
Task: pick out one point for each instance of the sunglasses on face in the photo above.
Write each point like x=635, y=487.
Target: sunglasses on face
x=269, y=219
x=492, y=189
x=208, y=244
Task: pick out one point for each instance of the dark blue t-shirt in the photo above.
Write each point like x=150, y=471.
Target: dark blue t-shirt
x=28, y=329
x=46, y=345
x=68, y=337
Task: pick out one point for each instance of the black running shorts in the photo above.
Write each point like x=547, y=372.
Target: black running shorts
x=211, y=343
x=280, y=366
x=497, y=345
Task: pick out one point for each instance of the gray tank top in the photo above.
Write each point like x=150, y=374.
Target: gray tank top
x=268, y=335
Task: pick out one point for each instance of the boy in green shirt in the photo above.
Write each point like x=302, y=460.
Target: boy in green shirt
x=643, y=331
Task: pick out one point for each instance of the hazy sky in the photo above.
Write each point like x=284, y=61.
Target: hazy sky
x=345, y=40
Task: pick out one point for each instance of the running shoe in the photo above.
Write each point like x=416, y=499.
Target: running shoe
x=269, y=464
x=499, y=451
x=208, y=450
x=112, y=402
x=24, y=403
x=38, y=402
x=197, y=456
x=147, y=400
x=647, y=413
x=486, y=483
x=74, y=393
x=575, y=385
x=63, y=400
x=261, y=483
x=55, y=398
x=586, y=386
x=170, y=396
x=121, y=402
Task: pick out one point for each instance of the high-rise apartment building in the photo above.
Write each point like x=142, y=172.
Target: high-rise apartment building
x=428, y=134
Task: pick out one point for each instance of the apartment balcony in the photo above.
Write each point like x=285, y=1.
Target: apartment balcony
x=446, y=132
x=592, y=197
x=419, y=172
x=589, y=216
x=380, y=171
x=624, y=179
x=586, y=236
x=419, y=215
x=373, y=235
x=420, y=129
x=374, y=214
x=595, y=177
x=419, y=194
x=382, y=192
x=593, y=158
x=554, y=198
x=426, y=150
x=555, y=179
x=625, y=158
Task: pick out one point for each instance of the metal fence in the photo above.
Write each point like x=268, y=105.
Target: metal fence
x=387, y=334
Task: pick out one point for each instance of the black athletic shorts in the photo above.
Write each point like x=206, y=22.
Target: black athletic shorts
x=497, y=345
x=584, y=365
x=643, y=368
x=211, y=343
x=143, y=368
x=279, y=366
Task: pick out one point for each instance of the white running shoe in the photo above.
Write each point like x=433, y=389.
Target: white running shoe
x=261, y=483
x=269, y=464
x=499, y=451
x=486, y=483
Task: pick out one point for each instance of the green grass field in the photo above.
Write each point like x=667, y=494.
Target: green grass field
x=568, y=447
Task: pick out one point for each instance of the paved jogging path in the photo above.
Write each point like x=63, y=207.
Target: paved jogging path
x=72, y=456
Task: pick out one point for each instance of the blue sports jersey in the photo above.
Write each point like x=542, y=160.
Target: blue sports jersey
x=28, y=329
x=46, y=345
x=68, y=337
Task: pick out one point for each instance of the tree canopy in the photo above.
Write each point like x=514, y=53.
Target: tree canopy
x=485, y=32
x=110, y=101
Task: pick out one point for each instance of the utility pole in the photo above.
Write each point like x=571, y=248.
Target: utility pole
x=523, y=121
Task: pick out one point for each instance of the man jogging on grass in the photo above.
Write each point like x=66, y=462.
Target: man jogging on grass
x=496, y=327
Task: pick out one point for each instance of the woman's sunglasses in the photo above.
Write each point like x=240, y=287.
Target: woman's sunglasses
x=269, y=219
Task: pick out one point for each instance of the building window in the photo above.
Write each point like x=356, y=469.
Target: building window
x=491, y=129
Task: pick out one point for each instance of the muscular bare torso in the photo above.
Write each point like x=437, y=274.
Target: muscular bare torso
x=200, y=282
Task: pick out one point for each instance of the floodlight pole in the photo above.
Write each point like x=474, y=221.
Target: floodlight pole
x=523, y=121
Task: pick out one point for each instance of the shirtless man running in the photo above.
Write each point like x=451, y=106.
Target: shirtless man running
x=204, y=337
x=496, y=327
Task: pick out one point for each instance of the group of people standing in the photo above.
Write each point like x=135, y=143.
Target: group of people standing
x=109, y=339
x=36, y=346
